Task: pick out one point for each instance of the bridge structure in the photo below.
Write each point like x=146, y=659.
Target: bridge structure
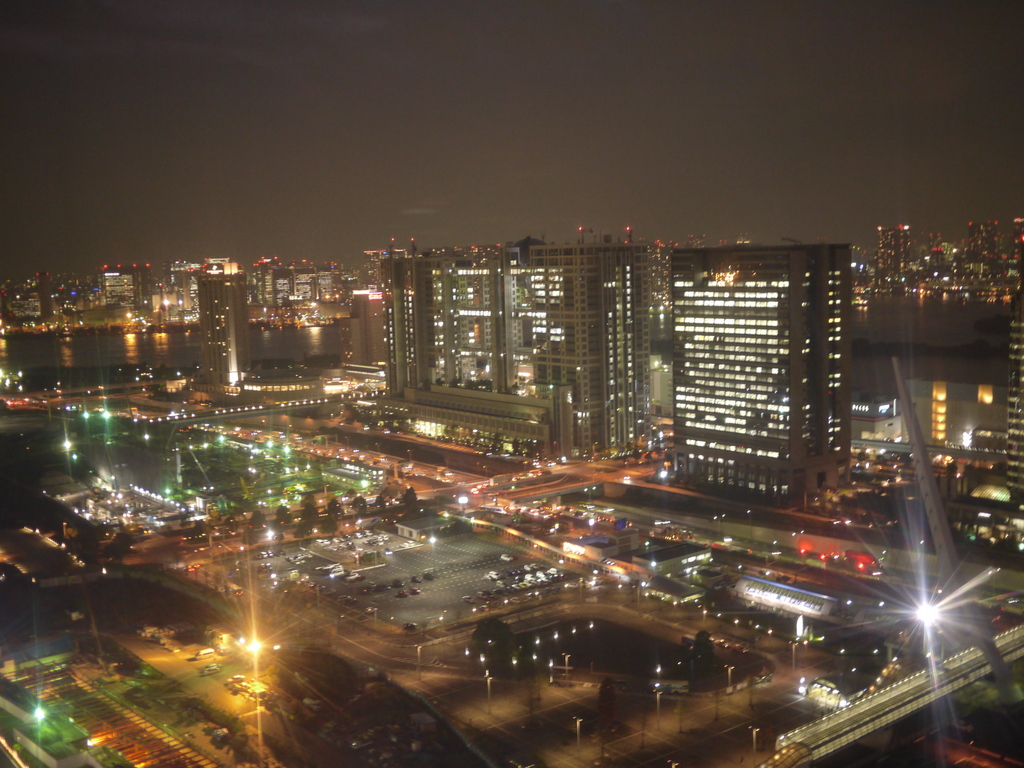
x=880, y=709
x=233, y=412
x=567, y=484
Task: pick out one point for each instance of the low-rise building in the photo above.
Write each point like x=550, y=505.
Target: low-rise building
x=423, y=528
x=680, y=559
x=600, y=547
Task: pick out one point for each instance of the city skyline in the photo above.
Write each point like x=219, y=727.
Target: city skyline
x=167, y=132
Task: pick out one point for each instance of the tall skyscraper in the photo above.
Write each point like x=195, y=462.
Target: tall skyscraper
x=1015, y=390
x=550, y=343
x=223, y=323
x=984, y=254
x=44, y=289
x=446, y=319
x=366, y=325
x=893, y=255
x=304, y=281
x=761, y=367
x=591, y=333
x=127, y=286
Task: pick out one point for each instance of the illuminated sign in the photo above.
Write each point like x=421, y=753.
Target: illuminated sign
x=573, y=549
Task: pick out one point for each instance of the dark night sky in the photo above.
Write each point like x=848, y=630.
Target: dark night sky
x=159, y=129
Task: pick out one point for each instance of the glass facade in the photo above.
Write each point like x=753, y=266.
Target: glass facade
x=761, y=402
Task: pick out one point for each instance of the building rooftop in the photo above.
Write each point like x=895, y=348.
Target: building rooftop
x=670, y=552
x=426, y=523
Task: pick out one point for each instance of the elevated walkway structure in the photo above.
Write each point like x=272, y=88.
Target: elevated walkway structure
x=564, y=485
x=235, y=412
x=844, y=727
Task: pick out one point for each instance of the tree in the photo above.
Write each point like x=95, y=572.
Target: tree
x=257, y=519
x=334, y=508
x=409, y=498
x=495, y=641
x=328, y=525
x=359, y=505
x=308, y=517
x=703, y=663
x=282, y=516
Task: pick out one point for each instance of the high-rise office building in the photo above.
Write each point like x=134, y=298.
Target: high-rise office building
x=1015, y=391
x=304, y=281
x=661, y=274
x=893, y=255
x=372, y=273
x=366, y=328
x=761, y=367
x=44, y=289
x=984, y=254
x=446, y=319
x=127, y=286
x=546, y=344
x=223, y=323
x=591, y=333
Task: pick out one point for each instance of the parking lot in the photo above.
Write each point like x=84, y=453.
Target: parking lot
x=420, y=584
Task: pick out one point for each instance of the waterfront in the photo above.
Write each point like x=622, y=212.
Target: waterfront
x=24, y=352
x=906, y=320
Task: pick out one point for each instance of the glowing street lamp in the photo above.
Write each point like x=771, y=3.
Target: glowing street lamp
x=928, y=614
x=254, y=648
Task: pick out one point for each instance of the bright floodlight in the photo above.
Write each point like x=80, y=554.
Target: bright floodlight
x=928, y=614
x=255, y=646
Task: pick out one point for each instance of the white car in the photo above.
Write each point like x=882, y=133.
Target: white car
x=507, y=558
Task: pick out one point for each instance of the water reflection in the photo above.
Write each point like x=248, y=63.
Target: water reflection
x=65, y=353
x=131, y=349
x=178, y=350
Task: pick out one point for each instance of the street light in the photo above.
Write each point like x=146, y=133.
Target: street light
x=254, y=648
x=658, y=695
x=753, y=733
x=729, y=669
x=419, y=672
x=489, y=678
x=551, y=671
x=578, y=721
